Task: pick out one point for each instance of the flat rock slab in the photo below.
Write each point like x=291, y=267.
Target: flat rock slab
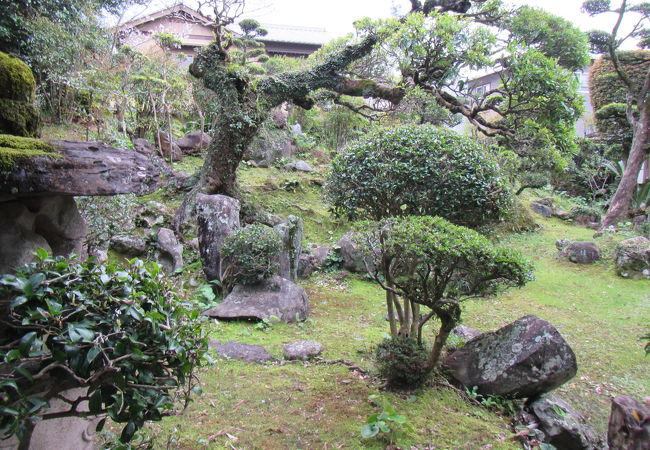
x=85, y=168
x=243, y=352
x=274, y=297
x=581, y=252
x=541, y=209
x=526, y=358
x=302, y=350
x=466, y=333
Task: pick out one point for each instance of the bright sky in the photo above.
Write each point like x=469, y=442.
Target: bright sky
x=337, y=16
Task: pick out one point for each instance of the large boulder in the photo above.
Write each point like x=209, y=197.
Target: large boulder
x=291, y=234
x=352, y=255
x=276, y=296
x=244, y=352
x=310, y=262
x=581, y=252
x=563, y=427
x=269, y=145
x=169, y=253
x=143, y=146
x=217, y=218
x=633, y=258
x=542, y=209
x=49, y=222
x=81, y=168
x=629, y=425
x=300, y=166
x=194, y=143
x=523, y=359
x=18, y=116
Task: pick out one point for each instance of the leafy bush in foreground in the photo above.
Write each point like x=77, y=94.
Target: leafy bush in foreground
x=403, y=362
x=121, y=333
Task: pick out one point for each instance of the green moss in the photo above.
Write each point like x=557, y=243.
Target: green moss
x=16, y=79
x=18, y=118
x=16, y=149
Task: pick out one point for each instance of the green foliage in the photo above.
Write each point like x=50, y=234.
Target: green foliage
x=418, y=170
x=608, y=95
x=107, y=217
x=167, y=41
x=122, y=333
x=403, y=362
x=248, y=49
x=494, y=402
x=388, y=424
x=585, y=210
x=554, y=36
x=250, y=254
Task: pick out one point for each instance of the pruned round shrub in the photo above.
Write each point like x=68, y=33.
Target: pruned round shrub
x=403, y=362
x=122, y=333
x=418, y=170
x=251, y=255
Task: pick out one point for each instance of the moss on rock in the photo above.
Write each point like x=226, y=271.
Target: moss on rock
x=18, y=118
x=16, y=79
x=19, y=150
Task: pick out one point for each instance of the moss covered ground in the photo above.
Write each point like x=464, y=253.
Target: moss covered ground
x=324, y=406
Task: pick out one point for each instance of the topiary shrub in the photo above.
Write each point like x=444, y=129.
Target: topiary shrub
x=403, y=362
x=123, y=334
x=251, y=255
x=608, y=95
x=418, y=170
x=17, y=85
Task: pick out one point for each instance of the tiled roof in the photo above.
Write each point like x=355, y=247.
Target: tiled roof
x=295, y=34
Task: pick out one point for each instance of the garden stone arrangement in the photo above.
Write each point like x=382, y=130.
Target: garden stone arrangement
x=206, y=245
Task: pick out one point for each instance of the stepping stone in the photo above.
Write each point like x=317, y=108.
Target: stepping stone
x=302, y=350
x=243, y=352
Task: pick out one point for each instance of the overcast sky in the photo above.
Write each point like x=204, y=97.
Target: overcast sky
x=337, y=16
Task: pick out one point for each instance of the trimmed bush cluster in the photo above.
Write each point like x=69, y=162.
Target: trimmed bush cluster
x=418, y=170
x=122, y=333
x=608, y=95
x=403, y=362
x=251, y=255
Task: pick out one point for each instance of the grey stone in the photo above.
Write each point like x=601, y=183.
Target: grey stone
x=523, y=359
x=52, y=223
x=303, y=350
x=217, y=218
x=169, y=253
x=144, y=146
x=244, y=352
x=101, y=256
x=85, y=168
x=563, y=427
x=296, y=129
x=291, y=233
x=194, y=143
x=581, y=252
x=353, y=258
x=270, y=145
x=466, y=333
x=300, y=166
x=639, y=220
x=539, y=208
x=633, y=258
x=273, y=297
x=67, y=433
x=561, y=214
x=128, y=245
x=629, y=425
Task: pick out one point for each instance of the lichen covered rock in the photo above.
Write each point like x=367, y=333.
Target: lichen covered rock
x=217, y=218
x=633, y=258
x=523, y=359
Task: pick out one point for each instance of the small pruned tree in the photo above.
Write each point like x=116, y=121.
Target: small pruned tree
x=122, y=334
x=429, y=262
x=418, y=170
x=248, y=48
